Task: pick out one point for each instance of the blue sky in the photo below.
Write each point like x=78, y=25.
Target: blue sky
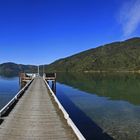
x=41, y=31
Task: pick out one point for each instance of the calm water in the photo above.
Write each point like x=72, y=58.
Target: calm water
x=8, y=88
x=102, y=106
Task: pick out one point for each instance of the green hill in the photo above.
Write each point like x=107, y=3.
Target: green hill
x=120, y=56
x=11, y=69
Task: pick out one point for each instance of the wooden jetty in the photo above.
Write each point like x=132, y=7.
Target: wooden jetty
x=26, y=77
x=50, y=77
x=37, y=115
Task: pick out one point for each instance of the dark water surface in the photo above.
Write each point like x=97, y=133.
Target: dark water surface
x=104, y=107
x=100, y=104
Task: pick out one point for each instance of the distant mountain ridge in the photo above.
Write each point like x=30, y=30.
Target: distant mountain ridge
x=117, y=56
x=11, y=69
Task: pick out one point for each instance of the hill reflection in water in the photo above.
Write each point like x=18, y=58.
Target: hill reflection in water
x=114, y=86
x=111, y=101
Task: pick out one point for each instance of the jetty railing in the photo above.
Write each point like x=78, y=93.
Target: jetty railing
x=14, y=99
x=66, y=115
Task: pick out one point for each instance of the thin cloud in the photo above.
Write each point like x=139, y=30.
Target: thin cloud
x=129, y=17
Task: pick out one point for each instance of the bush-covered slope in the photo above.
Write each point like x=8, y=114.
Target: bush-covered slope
x=111, y=57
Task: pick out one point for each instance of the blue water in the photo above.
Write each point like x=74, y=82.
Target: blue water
x=8, y=88
x=102, y=107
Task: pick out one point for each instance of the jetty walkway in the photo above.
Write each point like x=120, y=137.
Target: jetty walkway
x=36, y=116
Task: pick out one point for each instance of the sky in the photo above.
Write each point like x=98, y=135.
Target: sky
x=42, y=31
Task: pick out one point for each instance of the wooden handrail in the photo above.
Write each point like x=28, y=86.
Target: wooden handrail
x=14, y=99
x=66, y=115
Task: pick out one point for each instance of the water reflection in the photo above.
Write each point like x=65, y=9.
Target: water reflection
x=111, y=101
x=115, y=86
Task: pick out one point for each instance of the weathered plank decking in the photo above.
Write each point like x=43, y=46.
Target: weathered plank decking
x=35, y=117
